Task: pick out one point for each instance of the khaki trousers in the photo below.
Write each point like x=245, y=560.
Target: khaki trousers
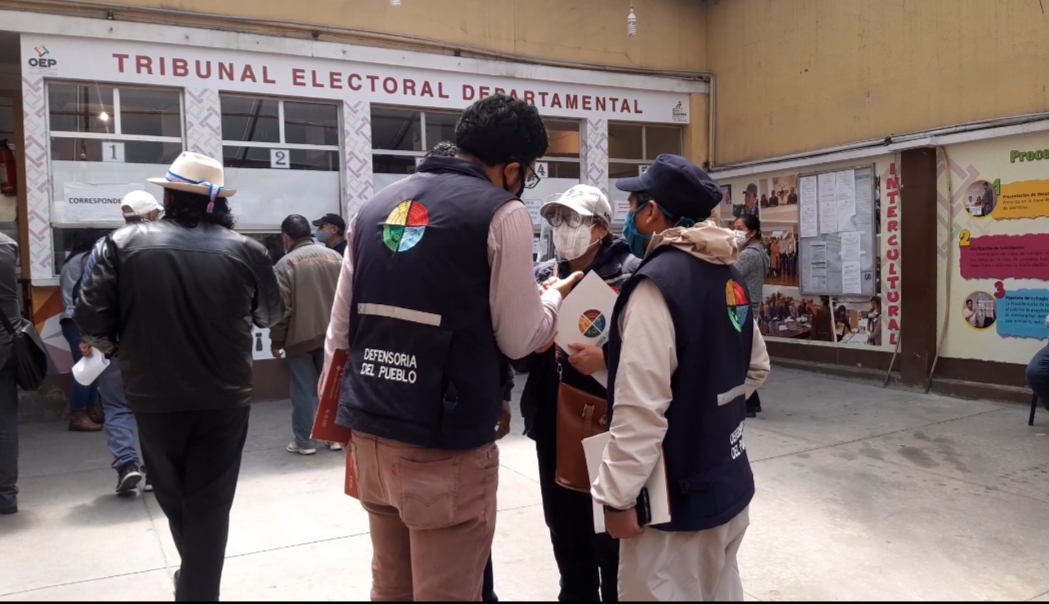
x=432, y=517
x=661, y=566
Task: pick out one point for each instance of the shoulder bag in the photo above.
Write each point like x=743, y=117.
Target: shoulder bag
x=579, y=415
x=29, y=352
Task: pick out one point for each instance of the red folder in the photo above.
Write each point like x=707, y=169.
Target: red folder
x=324, y=426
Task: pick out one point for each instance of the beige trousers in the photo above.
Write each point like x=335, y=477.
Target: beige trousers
x=661, y=566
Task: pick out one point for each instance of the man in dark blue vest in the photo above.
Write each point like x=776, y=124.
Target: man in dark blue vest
x=683, y=355
x=436, y=287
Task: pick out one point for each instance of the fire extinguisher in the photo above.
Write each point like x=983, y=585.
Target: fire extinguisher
x=7, y=170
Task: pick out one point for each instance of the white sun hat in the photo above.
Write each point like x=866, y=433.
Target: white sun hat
x=139, y=203
x=586, y=200
x=196, y=173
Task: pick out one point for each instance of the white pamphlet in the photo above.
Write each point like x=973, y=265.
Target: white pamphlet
x=87, y=369
x=658, y=495
x=586, y=317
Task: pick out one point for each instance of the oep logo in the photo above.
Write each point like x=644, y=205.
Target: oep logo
x=592, y=323
x=405, y=225
x=40, y=59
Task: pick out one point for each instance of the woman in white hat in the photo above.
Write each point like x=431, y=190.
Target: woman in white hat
x=188, y=289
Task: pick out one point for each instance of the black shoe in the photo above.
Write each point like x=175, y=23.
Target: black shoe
x=174, y=581
x=11, y=509
x=751, y=413
x=128, y=479
x=147, y=486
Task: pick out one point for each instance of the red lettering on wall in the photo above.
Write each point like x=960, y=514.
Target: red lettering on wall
x=893, y=254
x=626, y=106
x=468, y=92
x=179, y=68
x=555, y=101
x=483, y=92
x=894, y=311
x=891, y=212
x=500, y=91
x=637, y=108
x=248, y=74
x=266, y=76
x=335, y=80
x=440, y=91
x=529, y=97
x=542, y=97
x=389, y=85
x=143, y=64
x=894, y=225
x=571, y=101
x=613, y=102
x=226, y=71
x=204, y=75
x=602, y=103
x=894, y=240
x=428, y=90
x=120, y=61
x=350, y=81
x=587, y=102
x=513, y=92
x=163, y=66
x=374, y=79
x=893, y=296
x=409, y=86
x=314, y=81
x=298, y=77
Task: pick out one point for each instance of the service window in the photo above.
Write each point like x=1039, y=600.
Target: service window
x=104, y=142
x=282, y=156
x=631, y=149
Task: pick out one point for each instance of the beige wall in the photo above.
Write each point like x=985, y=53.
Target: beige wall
x=577, y=31
x=797, y=75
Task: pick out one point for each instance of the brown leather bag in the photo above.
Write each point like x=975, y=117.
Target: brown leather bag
x=579, y=415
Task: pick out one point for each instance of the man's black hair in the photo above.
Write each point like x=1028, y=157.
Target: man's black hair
x=296, y=227
x=443, y=149
x=191, y=209
x=501, y=129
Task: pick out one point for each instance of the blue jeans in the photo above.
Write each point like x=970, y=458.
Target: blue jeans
x=120, y=429
x=81, y=397
x=305, y=372
x=1038, y=375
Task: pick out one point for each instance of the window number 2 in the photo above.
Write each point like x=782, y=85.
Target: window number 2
x=963, y=239
x=279, y=159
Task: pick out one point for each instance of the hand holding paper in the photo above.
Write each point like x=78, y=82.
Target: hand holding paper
x=587, y=360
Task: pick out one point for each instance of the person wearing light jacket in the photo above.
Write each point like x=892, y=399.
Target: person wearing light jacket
x=684, y=353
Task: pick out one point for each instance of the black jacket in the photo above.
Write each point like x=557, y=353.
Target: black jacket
x=178, y=304
x=614, y=263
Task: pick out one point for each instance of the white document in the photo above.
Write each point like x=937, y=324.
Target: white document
x=533, y=206
x=851, y=280
x=91, y=202
x=808, y=205
x=586, y=316
x=845, y=182
x=87, y=369
x=658, y=496
x=864, y=199
x=828, y=202
x=850, y=246
x=621, y=211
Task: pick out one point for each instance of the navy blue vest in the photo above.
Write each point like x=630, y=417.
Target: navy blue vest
x=424, y=367
x=709, y=477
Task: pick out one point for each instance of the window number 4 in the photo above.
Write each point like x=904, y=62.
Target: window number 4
x=279, y=159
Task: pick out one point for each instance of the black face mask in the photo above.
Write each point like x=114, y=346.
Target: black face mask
x=506, y=185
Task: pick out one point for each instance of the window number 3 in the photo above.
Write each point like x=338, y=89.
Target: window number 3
x=279, y=159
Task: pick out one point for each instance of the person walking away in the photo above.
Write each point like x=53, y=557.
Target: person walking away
x=436, y=283
x=683, y=355
x=307, y=275
x=753, y=264
x=119, y=427
x=81, y=398
x=588, y=564
x=8, y=378
x=331, y=231
x=175, y=300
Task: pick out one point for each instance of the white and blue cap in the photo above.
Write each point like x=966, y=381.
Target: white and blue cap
x=196, y=173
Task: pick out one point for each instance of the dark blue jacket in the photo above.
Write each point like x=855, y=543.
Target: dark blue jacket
x=424, y=366
x=709, y=477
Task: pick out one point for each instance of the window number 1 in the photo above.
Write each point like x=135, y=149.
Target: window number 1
x=279, y=159
x=113, y=152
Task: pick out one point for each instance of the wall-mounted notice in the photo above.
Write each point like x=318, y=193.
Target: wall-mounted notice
x=828, y=203
x=808, y=214
x=840, y=259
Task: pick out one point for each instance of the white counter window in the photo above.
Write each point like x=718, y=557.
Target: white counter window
x=282, y=156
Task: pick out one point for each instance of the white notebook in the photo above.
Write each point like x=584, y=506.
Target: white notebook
x=586, y=317
x=658, y=496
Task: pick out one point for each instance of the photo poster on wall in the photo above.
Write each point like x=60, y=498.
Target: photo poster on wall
x=997, y=198
x=788, y=208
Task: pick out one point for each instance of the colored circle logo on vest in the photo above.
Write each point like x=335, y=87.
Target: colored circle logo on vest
x=592, y=323
x=738, y=304
x=405, y=225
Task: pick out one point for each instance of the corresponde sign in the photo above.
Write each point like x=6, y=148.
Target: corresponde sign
x=140, y=63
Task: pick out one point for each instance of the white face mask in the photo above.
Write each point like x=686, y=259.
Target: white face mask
x=741, y=237
x=572, y=242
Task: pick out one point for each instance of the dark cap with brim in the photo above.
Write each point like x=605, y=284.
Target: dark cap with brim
x=332, y=219
x=679, y=186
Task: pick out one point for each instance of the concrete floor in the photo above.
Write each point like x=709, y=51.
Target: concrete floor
x=863, y=494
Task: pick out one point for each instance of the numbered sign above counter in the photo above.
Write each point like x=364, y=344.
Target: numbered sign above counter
x=279, y=159
x=113, y=152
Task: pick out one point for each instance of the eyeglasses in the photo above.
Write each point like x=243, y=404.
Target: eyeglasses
x=532, y=179
x=568, y=217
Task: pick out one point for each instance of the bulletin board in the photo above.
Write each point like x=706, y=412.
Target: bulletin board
x=837, y=252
